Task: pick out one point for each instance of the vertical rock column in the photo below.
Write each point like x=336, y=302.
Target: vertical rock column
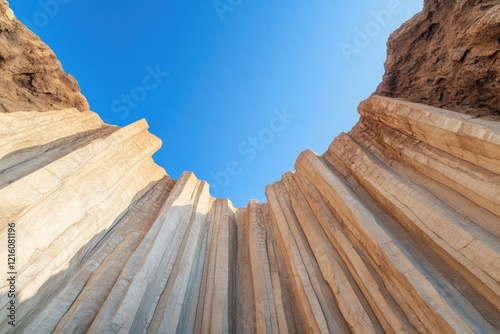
x=158, y=286
x=60, y=207
x=266, y=299
x=217, y=301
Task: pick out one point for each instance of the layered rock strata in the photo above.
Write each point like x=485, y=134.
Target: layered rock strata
x=394, y=229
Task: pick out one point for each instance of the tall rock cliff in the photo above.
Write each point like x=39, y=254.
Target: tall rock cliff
x=394, y=229
x=448, y=56
x=31, y=77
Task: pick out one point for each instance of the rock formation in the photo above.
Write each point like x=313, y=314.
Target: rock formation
x=31, y=77
x=394, y=229
x=448, y=56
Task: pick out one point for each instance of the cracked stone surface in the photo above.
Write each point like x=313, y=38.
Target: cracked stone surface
x=394, y=229
x=448, y=56
x=31, y=77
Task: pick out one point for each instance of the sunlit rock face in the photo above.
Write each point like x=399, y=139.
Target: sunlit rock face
x=394, y=229
x=448, y=56
x=31, y=77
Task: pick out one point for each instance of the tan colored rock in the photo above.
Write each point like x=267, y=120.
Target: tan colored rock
x=217, y=301
x=463, y=245
x=395, y=229
x=447, y=56
x=466, y=137
x=31, y=77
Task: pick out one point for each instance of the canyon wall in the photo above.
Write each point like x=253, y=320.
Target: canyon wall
x=31, y=77
x=448, y=56
x=394, y=229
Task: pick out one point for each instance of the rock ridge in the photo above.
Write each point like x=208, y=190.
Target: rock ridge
x=394, y=229
x=447, y=56
x=31, y=77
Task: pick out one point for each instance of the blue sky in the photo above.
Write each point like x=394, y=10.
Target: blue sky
x=235, y=89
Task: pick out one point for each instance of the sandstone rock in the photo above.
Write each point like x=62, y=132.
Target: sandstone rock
x=447, y=56
x=395, y=229
x=31, y=77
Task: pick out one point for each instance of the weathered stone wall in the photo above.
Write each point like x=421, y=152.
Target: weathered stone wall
x=448, y=56
x=31, y=77
x=395, y=229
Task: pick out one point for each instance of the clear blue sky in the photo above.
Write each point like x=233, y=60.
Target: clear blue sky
x=235, y=89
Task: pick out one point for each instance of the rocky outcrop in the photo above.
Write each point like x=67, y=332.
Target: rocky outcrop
x=31, y=77
x=448, y=56
x=394, y=229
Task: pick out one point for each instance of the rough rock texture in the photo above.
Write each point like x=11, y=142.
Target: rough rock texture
x=31, y=77
x=448, y=56
x=395, y=229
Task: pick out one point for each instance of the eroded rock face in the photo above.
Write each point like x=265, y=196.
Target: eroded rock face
x=31, y=77
x=394, y=229
x=448, y=56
